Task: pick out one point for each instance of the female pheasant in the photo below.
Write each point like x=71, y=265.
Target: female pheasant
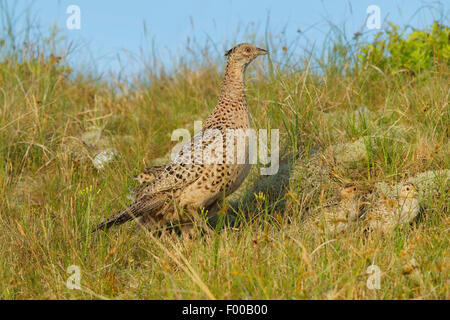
x=173, y=194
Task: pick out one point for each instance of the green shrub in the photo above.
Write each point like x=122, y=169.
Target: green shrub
x=419, y=50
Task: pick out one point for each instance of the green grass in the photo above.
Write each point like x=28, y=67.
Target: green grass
x=51, y=195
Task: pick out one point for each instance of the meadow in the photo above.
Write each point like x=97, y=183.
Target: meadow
x=54, y=121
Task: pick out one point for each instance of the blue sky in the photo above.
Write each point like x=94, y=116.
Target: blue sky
x=111, y=28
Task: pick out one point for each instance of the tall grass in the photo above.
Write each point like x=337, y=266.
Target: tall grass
x=51, y=194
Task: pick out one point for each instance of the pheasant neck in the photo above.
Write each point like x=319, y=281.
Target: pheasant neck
x=233, y=84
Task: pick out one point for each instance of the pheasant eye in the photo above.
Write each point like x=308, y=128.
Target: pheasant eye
x=354, y=189
x=407, y=189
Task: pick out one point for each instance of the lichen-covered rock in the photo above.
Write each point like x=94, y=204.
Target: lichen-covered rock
x=103, y=158
x=91, y=146
x=429, y=183
x=308, y=179
x=28, y=191
x=95, y=140
x=92, y=136
x=384, y=188
x=349, y=153
x=73, y=148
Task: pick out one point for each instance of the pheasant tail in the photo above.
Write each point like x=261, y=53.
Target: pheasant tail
x=142, y=206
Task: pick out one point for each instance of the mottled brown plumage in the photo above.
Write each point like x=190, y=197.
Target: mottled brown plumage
x=174, y=193
x=387, y=213
x=337, y=215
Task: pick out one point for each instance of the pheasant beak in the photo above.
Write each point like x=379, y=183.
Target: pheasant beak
x=262, y=51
